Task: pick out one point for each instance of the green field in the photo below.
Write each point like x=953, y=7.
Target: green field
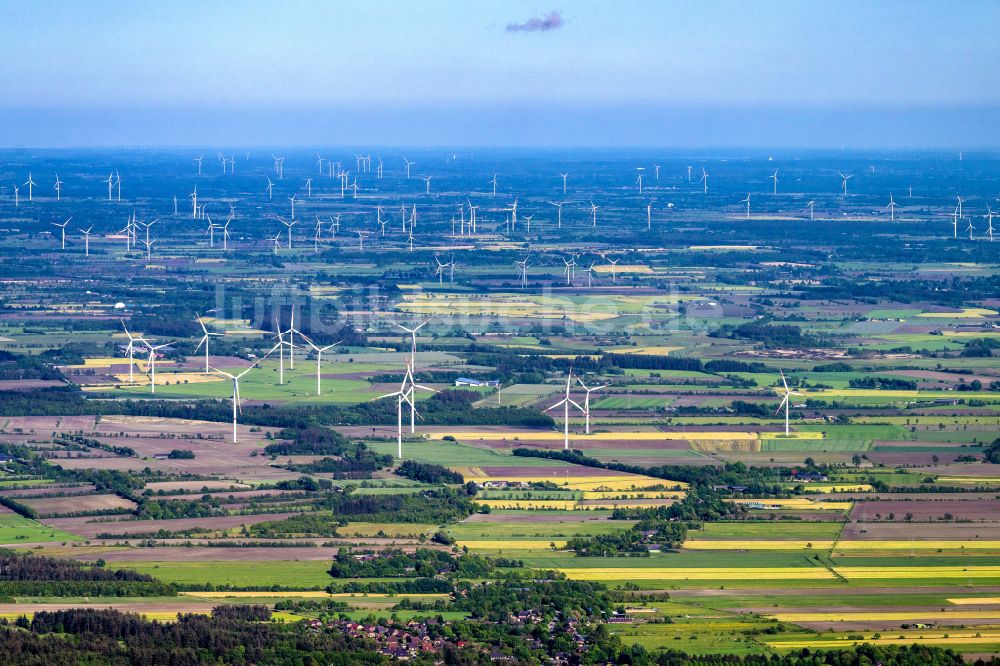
x=15, y=528
x=301, y=574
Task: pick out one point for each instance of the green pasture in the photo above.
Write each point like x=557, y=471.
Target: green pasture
x=15, y=528
x=296, y=574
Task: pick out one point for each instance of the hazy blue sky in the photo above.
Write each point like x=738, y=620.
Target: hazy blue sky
x=687, y=73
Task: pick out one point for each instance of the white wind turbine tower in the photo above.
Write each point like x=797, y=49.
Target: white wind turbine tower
x=558, y=205
x=317, y=234
x=960, y=202
x=58, y=188
x=614, y=268
x=270, y=189
x=152, y=363
x=292, y=200
x=774, y=177
x=225, y=234
x=17, y=201
x=786, y=402
x=289, y=226
x=590, y=275
x=361, y=241
x=522, y=269
x=86, y=240
x=149, y=248
x=404, y=394
x=175, y=205
x=130, y=350
x=319, y=361
x=118, y=184
x=586, y=402
x=62, y=228
x=110, y=181
x=494, y=183
x=194, y=201
x=593, y=213
x=704, y=180
x=31, y=184
x=198, y=160
x=413, y=341
x=892, y=208
x=689, y=166
x=354, y=188
x=989, y=217
x=564, y=176
x=527, y=222
x=276, y=243
x=954, y=223
x=657, y=167
x=649, y=214
x=970, y=228
x=569, y=270
x=844, y=179
x=408, y=165
x=204, y=340
x=565, y=403
x=237, y=406
x=319, y=163
x=812, y=207
x=638, y=178
x=308, y=187
x=378, y=170
x=427, y=183
x=747, y=202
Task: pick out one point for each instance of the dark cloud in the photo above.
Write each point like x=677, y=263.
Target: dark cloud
x=551, y=21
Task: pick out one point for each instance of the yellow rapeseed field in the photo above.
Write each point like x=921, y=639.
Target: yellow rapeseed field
x=867, y=573
x=515, y=544
x=699, y=573
x=744, y=544
x=798, y=503
x=564, y=505
x=551, y=436
x=950, y=637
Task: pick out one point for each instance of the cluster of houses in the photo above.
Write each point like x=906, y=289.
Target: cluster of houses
x=404, y=642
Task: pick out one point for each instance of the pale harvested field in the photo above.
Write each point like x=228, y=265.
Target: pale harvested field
x=54, y=506
x=34, y=491
x=195, y=486
x=213, y=554
x=960, y=509
x=899, y=530
x=84, y=527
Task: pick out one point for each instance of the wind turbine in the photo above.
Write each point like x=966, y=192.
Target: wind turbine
x=845, y=178
x=786, y=402
x=774, y=177
x=593, y=213
x=439, y=271
x=237, y=406
x=110, y=181
x=17, y=201
x=564, y=176
x=292, y=200
x=270, y=189
x=522, y=269
x=404, y=394
x=747, y=202
x=86, y=240
x=319, y=361
x=638, y=178
x=569, y=271
x=989, y=217
x=204, y=340
x=494, y=182
x=590, y=275
x=558, y=205
x=308, y=187
x=152, y=364
x=62, y=228
x=704, y=180
x=614, y=268
x=149, y=248
x=689, y=166
x=413, y=341
x=289, y=225
x=276, y=243
x=649, y=215
x=198, y=160
x=30, y=183
x=58, y=188
x=427, y=182
x=130, y=349
x=586, y=401
x=408, y=165
x=657, y=167
x=970, y=228
x=812, y=206
x=892, y=208
x=565, y=403
x=954, y=223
